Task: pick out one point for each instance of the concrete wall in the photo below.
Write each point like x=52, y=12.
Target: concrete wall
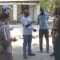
x=33, y=10
x=36, y=11
x=16, y=11
x=16, y=14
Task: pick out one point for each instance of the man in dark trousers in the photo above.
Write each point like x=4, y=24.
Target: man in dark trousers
x=43, y=29
x=57, y=43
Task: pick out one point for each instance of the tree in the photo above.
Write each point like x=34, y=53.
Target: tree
x=57, y=3
x=47, y=4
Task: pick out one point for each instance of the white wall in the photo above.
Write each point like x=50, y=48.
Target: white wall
x=19, y=15
x=31, y=11
x=36, y=11
x=14, y=12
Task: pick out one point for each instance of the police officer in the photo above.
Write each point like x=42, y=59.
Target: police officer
x=54, y=30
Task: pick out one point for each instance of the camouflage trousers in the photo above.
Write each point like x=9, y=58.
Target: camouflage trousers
x=54, y=34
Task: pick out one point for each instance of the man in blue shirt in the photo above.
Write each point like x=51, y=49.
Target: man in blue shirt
x=27, y=34
x=43, y=29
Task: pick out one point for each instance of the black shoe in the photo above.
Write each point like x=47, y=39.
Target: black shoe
x=31, y=54
x=52, y=54
x=25, y=57
x=47, y=51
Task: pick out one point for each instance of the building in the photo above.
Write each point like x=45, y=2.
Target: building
x=18, y=7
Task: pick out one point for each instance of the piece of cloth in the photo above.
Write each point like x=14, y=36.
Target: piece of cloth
x=25, y=21
x=54, y=30
x=57, y=47
x=5, y=29
x=41, y=34
x=43, y=21
x=7, y=54
x=57, y=44
x=27, y=39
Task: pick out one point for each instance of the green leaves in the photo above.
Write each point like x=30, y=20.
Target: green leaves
x=47, y=4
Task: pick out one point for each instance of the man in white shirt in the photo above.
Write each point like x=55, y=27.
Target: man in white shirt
x=27, y=34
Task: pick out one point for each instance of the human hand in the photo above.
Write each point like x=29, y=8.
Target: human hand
x=10, y=28
x=34, y=30
x=14, y=39
x=33, y=22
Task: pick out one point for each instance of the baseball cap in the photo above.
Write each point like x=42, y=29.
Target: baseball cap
x=6, y=6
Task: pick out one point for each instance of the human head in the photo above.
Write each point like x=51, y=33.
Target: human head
x=26, y=13
x=6, y=8
x=4, y=18
x=42, y=10
x=57, y=11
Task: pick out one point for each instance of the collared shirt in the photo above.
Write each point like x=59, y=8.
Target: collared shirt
x=25, y=21
x=5, y=29
x=43, y=21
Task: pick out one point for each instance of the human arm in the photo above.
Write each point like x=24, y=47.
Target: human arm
x=38, y=19
x=26, y=22
x=7, y=35
x=55, y=25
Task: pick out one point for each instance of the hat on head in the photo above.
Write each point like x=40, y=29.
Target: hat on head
x=6, y=6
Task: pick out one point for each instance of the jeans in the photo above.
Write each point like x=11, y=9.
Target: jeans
x=27, y=39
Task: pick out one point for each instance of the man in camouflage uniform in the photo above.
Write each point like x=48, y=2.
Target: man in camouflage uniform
x=54, y=30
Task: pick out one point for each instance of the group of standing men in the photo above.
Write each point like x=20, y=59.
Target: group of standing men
x=43, y=31
x=27, y=32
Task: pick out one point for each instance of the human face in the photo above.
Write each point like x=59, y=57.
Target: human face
x=8, y=11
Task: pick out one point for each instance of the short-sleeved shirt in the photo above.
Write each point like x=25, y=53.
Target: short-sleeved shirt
x=25, y=21
x=5, y=29
x=43, y=21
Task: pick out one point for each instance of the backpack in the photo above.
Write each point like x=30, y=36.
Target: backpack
x=2, y=40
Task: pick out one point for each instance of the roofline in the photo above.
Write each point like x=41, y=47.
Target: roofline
x=19, y=1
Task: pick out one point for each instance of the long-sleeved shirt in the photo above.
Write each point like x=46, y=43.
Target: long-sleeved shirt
x=43, y=21
x=25, y=21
